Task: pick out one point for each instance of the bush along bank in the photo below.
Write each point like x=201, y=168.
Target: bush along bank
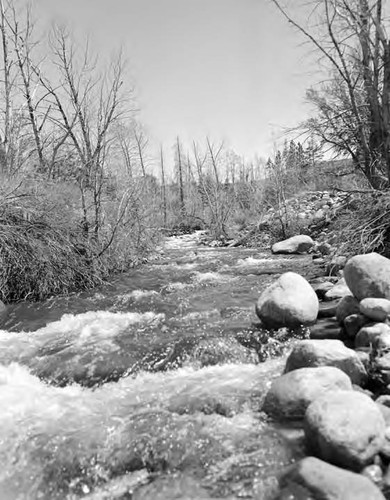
x=47, y=247
x=337, y=382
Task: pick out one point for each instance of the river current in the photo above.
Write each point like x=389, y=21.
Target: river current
x=147, y=388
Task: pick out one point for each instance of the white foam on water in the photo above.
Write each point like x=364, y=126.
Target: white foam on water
x=194, y=316
x=212, y=277
x=176, y=286
x=135, y=295
x=45, y=427
x=252, y=261
x=97, y=328
x=187, y=266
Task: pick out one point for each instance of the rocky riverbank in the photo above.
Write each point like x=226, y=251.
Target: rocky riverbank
x=336, y=384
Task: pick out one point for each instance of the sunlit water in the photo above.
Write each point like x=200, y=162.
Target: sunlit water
x=147, y=388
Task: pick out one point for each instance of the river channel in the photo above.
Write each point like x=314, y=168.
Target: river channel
x=149, y=387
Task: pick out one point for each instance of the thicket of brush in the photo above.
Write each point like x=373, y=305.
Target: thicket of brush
x=44, y=250
x=364, y=225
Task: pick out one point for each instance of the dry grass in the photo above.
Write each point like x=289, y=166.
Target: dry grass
x=364, y=225
x=39, y=258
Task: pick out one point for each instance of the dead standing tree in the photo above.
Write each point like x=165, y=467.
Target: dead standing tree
x=215, y=197
x=37, y=110
x=354, y=111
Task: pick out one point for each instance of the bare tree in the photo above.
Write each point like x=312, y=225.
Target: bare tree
x=85, y=105
x=142, y=143
x=352, y=40
x=163, y=186
x=215, y=197
x=23, y=45
x=179, y=165
x=7, y=67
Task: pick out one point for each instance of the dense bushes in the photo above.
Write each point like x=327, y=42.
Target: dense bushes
x=44, y=250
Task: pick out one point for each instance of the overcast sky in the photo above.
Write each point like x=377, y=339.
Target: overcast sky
x=230, y=69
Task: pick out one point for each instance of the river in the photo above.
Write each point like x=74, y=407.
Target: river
x=149, y=387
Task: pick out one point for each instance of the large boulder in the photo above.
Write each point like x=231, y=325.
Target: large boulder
x=368, y=276
x=311, y=478
x=345, y=428
x=375, y=309
x=291, y=393
x=313, y=353
x=289, y=302
x=296, y=244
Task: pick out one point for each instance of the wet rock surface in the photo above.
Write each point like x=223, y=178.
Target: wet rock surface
x=315, y=479
x=314, y=353
x=291, y=393
x=289, y=302
x=344, y=428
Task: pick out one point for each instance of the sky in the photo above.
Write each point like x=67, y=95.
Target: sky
x=233, y=70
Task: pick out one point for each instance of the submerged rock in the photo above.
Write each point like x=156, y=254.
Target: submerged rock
x=291, y=393
x=353, y=323
x=348, y=305
x=312, y=478
x=368, y=276
x=327, y=309
x=289, y=302
x=345, y=428
x=327, y=328
x=296, y=244
x=312, y=353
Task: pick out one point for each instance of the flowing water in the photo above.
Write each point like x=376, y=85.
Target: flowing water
x=147, y=388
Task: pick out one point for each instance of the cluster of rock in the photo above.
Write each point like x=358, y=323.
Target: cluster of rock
x=311, y=209
x=326, y=382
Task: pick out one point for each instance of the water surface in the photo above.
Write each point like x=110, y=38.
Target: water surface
x=147, y=388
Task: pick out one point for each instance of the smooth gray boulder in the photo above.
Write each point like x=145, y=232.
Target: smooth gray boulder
x=345, y=428
x=327, y=352
x=348, y=305
x=291, y=393
x=369, y=333
x=375, y=309
x=300, y=243
x=315, y=479
x=289, y=302
x=368, y=276
x=339, y=291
